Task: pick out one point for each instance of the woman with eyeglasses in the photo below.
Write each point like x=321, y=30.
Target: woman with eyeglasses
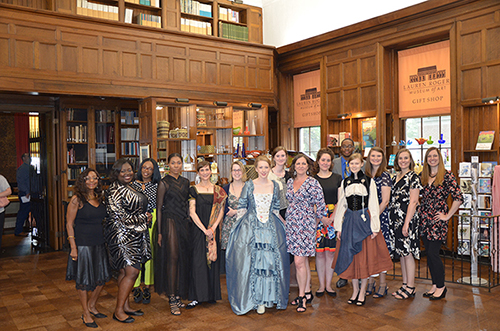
x=233, y=190
x=127, y=235
x=88, y=259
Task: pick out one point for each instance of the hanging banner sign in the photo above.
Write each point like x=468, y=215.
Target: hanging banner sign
x=307, y=99
x=424, y=81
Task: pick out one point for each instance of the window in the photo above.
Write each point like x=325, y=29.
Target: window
x=430, y=128
x=310, y=140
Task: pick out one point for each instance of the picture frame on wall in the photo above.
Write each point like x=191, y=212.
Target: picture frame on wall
x=143, y=152
x=484, y=201
x=463, y=247
x=467, y=204
x=484, y=185
x=464, y=169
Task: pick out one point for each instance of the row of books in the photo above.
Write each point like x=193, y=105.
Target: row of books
x=71, y=156
x=129, y=117
x=130, y=134
x=103, y=156
x=105, y=134
x=194, y=26
x=196, y=8
x=73, y=173
x=228, y=14
x=130, y=148
x=86, y=8
x=153, y=3
x=77, y=134
x=76, y=114
x=234, y=32
x=105, y=115
x=148, y=20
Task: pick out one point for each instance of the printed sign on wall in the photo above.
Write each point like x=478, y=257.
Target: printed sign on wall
x=307, y=100
x=424, y=80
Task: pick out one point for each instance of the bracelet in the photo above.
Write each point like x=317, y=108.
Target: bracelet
x=71, y=237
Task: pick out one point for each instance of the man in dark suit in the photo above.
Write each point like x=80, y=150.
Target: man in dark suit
x=23, y=186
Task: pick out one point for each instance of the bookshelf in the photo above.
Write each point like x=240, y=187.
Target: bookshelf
x=95, y=135
x=219, y=18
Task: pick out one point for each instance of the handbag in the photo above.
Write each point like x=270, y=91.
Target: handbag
x=4, y=202
x=212, y=250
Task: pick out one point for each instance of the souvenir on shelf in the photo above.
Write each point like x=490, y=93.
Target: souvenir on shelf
x=485, y=140
x=441, y=141
x=430, y=141
x=421, y=141
x=464, y=169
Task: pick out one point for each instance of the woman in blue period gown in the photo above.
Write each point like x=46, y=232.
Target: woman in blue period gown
x=307, y=208
x=376, y=168
x=257, y=263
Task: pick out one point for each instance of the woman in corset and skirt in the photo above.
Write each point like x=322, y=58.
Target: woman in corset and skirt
x=88, y=259
x=126, y=232
x=361, y=251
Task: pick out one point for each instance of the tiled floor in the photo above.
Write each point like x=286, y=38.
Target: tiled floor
x=35, y=296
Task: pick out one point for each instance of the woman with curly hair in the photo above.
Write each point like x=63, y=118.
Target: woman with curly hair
x=126, y=232
x=88, y=259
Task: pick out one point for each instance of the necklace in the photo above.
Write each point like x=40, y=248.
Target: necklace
x=206, y=187
x=433, y=176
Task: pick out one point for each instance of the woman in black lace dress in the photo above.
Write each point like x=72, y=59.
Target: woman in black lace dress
x=126, y=232
x=172, y=258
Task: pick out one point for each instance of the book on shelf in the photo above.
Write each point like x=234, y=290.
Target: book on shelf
x=92, y=9
x=485, y=140
x=195, y=26
x=234, y=32
x=129, y=134
x=77, y=134
x=196, y=8
x=152, y=3
x=130, y=148
x=148, y=20
x=129, y=117
x=227, y=14
x=128, y=15
x=105, y=116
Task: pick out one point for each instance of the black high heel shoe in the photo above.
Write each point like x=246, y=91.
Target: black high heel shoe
x=89, y=325
x=353, y=301
x=442, y=296
x=306, y=294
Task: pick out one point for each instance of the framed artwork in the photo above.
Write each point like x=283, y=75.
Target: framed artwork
x=484, y=248
x=465, y=216
x=463, y=232
x=369, y=131
x=484, y=201
x=486, y=169
x=463, y=247
x=466, y=185
x=484, y=233
x=467, y=201
x=484, y=185
x=464, y=169
x=143, y=152
x=484, y=220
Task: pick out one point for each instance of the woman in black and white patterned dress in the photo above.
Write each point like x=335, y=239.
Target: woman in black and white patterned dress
x=126, y=232
x=403, y=220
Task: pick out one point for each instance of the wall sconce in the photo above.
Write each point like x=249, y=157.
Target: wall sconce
x=343, y=116
x=220, y=103
x=181, y=100
x=254, y=105
x=490, y=100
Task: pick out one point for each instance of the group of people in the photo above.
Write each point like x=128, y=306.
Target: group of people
x=348, y=213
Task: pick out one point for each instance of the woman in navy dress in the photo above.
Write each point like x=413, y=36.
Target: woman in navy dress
x=88, y=259
x=376, y=168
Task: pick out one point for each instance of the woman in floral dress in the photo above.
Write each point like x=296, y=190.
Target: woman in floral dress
x=307, y=207
x=403, y=219
x=434, y=215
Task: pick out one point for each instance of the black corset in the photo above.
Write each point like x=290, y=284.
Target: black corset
x=357, y=202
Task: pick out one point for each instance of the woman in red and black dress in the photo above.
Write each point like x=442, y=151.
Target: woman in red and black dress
x=434, y=213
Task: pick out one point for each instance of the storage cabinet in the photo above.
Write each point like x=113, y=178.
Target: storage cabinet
x=207, y=132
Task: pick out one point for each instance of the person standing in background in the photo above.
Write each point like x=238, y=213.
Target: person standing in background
x=5, y=191
x=23, y=186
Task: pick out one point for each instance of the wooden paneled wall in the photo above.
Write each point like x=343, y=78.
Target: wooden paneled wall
x=359, y=64
x=49, y=52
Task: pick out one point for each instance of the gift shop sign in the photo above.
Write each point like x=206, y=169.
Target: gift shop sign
x=424, y=80
x=307, y=100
